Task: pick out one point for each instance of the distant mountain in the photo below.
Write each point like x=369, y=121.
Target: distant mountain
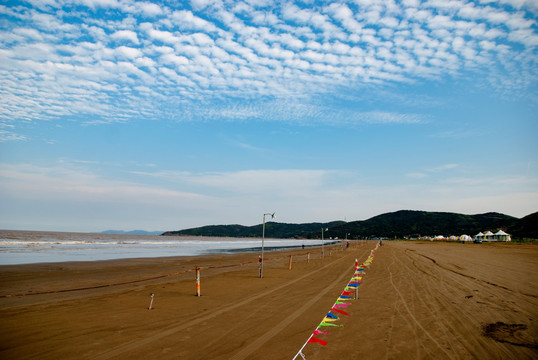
x=526, y=227
x=404, y=223
x=272, y=229
x=133, y=232
x=399, y=224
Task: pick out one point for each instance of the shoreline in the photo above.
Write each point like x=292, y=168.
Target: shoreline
x=41, y=247
x=101, y=274
x=426, y=300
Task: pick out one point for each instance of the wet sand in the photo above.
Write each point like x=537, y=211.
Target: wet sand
x=417, y=301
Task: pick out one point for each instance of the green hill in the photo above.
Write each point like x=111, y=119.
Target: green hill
x=408, y=223
x=272, y=229
x=399, y=224
x=526, y=227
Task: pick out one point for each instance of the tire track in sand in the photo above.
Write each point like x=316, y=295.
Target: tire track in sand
x=174, y=329
x=256, y=344
x=414, y=318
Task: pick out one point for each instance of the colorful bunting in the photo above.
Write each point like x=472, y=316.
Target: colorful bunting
x=350, y=289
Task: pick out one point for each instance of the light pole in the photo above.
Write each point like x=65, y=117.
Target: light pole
x=263, y=241
x=322, y=241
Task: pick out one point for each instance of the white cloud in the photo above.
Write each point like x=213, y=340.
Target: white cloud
x=301, y=51
x=380, y=117
x=185, y=19
x=164, y=36
x=129, y=52
x=6, y=135
x=34, y=182
x=125, y=35
x=170, y=200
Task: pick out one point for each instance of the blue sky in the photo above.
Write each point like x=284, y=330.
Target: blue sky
x=167, y=115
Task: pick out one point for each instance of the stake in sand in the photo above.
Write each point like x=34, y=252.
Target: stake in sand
x=151, y=301
x=197, y=281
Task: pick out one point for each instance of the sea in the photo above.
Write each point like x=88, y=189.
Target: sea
x=29, y=247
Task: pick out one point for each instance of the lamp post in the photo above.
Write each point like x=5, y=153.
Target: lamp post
x=263, y=241
x=322, y=241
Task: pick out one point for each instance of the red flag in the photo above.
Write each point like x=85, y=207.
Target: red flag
x=348, y=292
x=340, y=311
x=314, y=340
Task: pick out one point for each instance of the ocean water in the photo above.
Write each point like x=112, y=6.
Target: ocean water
x=27, y=247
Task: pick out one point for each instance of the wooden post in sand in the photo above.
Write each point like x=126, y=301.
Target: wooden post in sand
x=289, y=266
x=151, y=302
x=308, y=258
x=197, y=281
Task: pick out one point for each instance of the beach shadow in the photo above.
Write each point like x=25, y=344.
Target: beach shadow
x=513, y=334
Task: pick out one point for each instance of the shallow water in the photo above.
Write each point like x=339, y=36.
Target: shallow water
x=26, y=247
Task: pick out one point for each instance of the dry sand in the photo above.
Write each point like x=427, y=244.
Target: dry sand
x=417, y=301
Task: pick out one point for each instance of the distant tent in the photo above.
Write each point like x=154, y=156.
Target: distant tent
x=489, y=236
x=465, y=238
x=501, y=236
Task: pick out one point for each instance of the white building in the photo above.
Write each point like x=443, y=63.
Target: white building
x=489, y=236
x=501, y=236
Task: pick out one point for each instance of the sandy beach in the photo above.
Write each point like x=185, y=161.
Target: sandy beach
x=417, y=301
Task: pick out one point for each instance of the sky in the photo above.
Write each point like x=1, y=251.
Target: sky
x=124, y=114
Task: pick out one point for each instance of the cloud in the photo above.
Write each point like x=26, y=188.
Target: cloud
x=380, y=117
x=6, y=135
x=80, y=185
x=216, y=49
x=126, y=35
x=74, y=197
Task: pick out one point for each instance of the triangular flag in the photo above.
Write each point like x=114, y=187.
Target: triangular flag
x=340, y=305
x=316, y=340
x=326, y=319
x=340, y=311
x=317, y=332
x=328, y=324
x=332, y=316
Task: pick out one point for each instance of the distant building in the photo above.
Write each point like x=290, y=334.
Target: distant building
x=501, y=236
x=489, y=236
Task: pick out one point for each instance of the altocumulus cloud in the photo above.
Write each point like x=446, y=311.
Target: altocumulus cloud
x=105, y=61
